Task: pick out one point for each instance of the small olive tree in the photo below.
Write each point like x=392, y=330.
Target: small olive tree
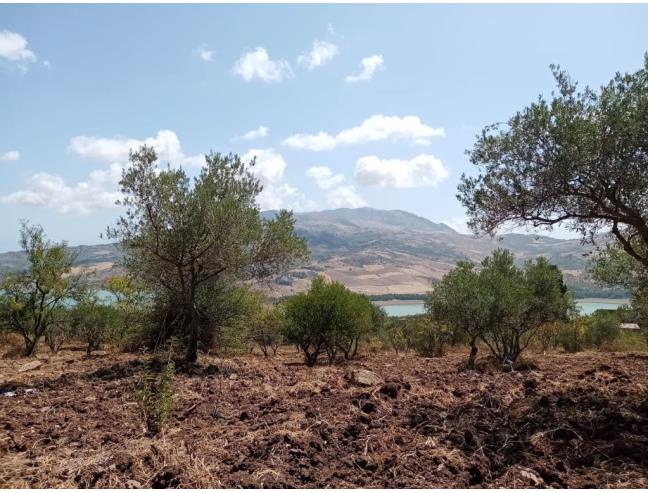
x=32, y=300
x=460, y=299
x=502, y=305
x=327, y=319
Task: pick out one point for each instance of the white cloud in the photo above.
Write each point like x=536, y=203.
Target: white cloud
x=331, y=29
x=166, y=144
x=13, y=48
x=375, y=128
x=269, y=169
x=422, y=170
x=205, y=54
x=324, y=177
x=370, y=65
x=10, y=156
x=459, y=224
x=258, y=64
x=321, y=53
x=269, y=166
x=47, y=64
x=260, y=132
x=345, y=197
x=338, y=195
x=99, y=191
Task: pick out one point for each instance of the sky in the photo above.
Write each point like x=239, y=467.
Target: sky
x=342, y=105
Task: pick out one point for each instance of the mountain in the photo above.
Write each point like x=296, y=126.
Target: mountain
x=376, y=251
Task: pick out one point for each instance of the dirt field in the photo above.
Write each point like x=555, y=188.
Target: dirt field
x=566, y=421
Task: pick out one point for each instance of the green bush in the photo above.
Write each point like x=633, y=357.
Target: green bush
x=329, y=318
x=431, y=339
x=602, y=329
x=571, y=337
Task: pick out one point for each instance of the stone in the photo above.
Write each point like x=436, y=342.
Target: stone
x=30, y=366
x=363, y=377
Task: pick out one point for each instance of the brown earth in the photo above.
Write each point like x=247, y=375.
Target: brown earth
x=563, y=421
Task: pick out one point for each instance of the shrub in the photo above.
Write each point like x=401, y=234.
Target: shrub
x=155, y=397
x=327, y=319
x=571, y=337
x=266, y=330
x=431, y=339
x=602, y=329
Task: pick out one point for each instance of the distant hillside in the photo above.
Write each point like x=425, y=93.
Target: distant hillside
x=380, y=252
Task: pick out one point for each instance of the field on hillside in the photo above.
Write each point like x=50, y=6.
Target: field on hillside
x=563, y=420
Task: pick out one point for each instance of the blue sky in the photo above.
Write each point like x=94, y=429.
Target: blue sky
x=343, y=105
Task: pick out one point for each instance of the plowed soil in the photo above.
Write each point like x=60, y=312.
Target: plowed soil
x=563, y=421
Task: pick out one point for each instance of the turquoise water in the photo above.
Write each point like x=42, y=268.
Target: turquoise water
x=586, y=307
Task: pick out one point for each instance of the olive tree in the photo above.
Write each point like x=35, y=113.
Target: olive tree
x=501, y=304
x=461, y=300
x=579, y=159
x=189, y=240
x=32, y=300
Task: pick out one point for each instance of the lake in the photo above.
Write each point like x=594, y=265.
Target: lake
x=586, y=306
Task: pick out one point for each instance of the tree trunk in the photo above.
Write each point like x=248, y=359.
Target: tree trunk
x=355, y=348
x=192, y=346
x=473, y=354
x=30, y=346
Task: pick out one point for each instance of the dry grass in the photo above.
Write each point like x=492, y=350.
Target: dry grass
x=576, y=420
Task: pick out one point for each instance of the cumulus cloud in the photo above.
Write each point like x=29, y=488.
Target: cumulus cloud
x=260, y=132
x=166, y=144
x=13, y=49
x=375, y=128
x=276, y=194
x=324, y=177
x=257, y=64
x=10, y=156
x=422, y=170
x=204, y=53
x=99, y=191
x=369, y=66
x=321, y=53
x=269, y=166
x=337, y=195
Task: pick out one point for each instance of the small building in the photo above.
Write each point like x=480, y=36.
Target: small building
x=630, y=326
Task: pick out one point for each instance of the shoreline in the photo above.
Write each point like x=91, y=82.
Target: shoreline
x=414, y=302
x=399, y=302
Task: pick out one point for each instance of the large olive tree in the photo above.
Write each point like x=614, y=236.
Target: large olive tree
x=190, y=240
x=579, y=159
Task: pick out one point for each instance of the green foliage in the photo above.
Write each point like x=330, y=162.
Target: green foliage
x=431, y=339
x=154, y=396
x=31, y=300
x=92, y=321
x=266, y=330
x=502, y=305
x=190, y=243
x=579, y=159
x=329, y=318
x=571, y=336
x=602, y=329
